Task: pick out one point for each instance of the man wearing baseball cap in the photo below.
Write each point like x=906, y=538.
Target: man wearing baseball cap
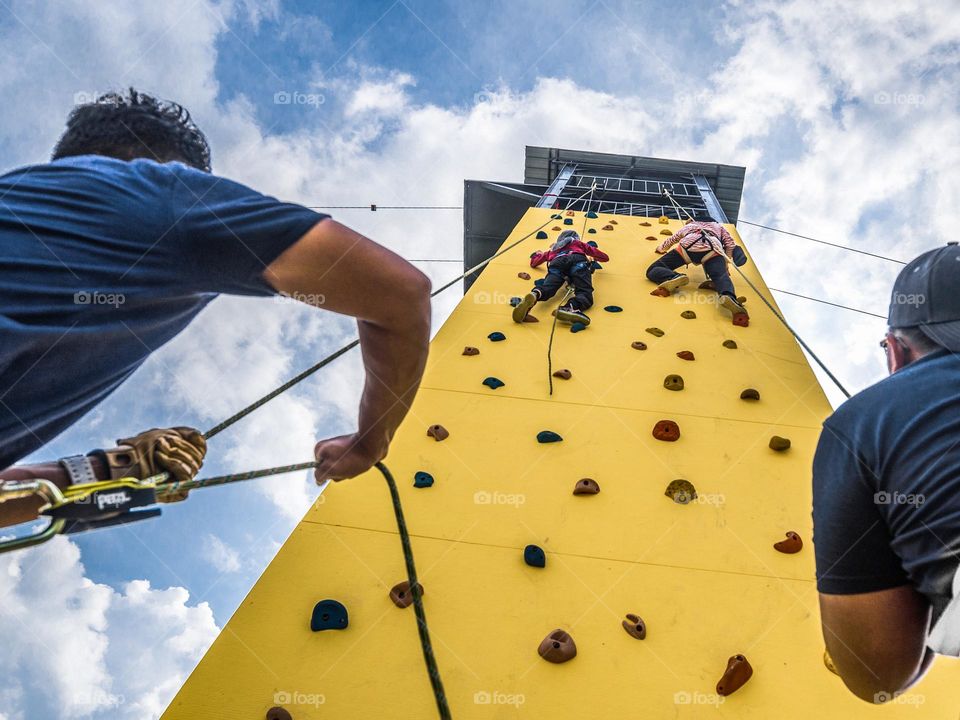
x=886, y=495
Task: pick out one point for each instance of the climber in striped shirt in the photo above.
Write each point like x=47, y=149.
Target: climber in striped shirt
x=704, y=243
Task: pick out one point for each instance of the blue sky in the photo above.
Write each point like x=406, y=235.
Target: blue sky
x=848, y=129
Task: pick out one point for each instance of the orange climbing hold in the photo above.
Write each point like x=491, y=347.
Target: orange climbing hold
x=530, y=318
x=402, y=596
x=438, y=432
x=793, y=544
x=523, y=275
x=735, y=676
x=614, y=222
x=563, y=374
x=558, y=647
x=666, y=430
x=470, y=351
x=741, y=320
x=660, y=292
x=607, y=227
x=686, y=355
x=570, y=213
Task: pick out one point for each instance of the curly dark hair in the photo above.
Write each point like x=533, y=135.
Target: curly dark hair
x=134, y=125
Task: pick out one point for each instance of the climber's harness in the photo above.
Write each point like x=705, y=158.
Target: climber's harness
x=716, y=248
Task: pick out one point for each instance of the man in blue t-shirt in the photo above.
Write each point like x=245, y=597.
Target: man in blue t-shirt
x=112, y=249
x=886, y=495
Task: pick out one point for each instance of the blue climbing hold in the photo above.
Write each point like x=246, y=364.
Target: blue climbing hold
x=592, y=243
x=577, y=327
x=613, y=308
x=548, y=436
x=592, y=215
x=514, y=301
x=493, y=383
x=592, y=231
x=596, y=266
x=568, y=221
x=542, y=235
x=328, y=615
x=496, y=336
x=538, y=282
x=534, y=556
x=422, y=479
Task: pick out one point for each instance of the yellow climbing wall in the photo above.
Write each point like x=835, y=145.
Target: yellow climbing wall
x=704, y=576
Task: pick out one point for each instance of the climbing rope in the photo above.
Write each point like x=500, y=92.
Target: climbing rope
x=553, y=328
x=766, y=302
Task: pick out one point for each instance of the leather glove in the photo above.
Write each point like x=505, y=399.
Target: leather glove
x=178, y=451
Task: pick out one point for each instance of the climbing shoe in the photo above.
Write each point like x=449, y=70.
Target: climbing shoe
x=570, y=314
x=523, y=307
x=730, y=303
x=674, y=283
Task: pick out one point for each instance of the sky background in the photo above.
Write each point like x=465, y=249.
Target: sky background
x=845, y=116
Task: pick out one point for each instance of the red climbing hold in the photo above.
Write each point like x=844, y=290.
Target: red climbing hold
x=685, y=355
x=523, y=275
x=563, y=374
x=438, y=432
x=401, y=595
x=635, y=627
x=586, y=486
x=793, y=544
x=530, y=318
x=735, y=676
x=470, y=351
x=558, y=647
x=607, y=227
x=666, y=430
x=741, y=320
x=660, y=292
x=638, y=345
x=555, y=228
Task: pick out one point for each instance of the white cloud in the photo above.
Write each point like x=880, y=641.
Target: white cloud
x=223, y=557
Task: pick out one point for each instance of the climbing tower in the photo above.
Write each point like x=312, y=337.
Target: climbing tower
x=647, y=509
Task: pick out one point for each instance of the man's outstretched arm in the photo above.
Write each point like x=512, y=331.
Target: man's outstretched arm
x=340, y=270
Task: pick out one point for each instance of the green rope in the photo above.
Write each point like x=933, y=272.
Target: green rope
x=553, y=329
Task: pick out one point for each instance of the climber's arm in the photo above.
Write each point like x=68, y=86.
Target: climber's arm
x=349, y=274
x=674, y=239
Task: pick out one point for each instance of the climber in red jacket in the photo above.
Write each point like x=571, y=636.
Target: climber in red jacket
x=567, y=262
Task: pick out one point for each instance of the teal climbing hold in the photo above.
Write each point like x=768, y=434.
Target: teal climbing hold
x=595, y=266
x=493, y=383
x=548, y=436
x=328, y=615
x=568, y=221
x=592, y=215
x=496, y=337
x=534, y=556
x=613, y=308
x=556, y=217
x=577, y=327
x=542, y=235
x=514, y=301
x=422, y=479
x=592, y=243
x=592, y=231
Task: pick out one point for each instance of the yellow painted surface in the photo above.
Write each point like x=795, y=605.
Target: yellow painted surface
x=704, y=576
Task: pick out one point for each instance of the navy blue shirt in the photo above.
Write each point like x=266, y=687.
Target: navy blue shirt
x=886, y=485
x=103, y=261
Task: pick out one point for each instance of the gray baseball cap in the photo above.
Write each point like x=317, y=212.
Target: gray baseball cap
x=927, y=295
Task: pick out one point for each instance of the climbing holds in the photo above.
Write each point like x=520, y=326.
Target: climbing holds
x=681, y=491
x=635, y=627
x=534, y=556
x=523, y=275
x=592, y=215
x=470, y=351
x=655, y=331
x=828, y=663
x=563, y=374
x=592, y=231
x=660, y=292
x=614, y=222
x=548, y=436
x=607, y=227
x=654, y=238
x=556, y=228
x=750, y=394
x=707, y=285
x=402, y=595
x=592, y=243
x=278, y=713
x=438, y=432
x=542, y=235
x=328, y=615
x=530, y=318
x=673, y=382
x=742, y=299
x=663, y=220
x=514, y=301
x=638, y=345
x=735, y=676
x=793, y=544
x=666, y=232
x=741, y=320
x=613, y=308
x=568, y=221
x=666, y=430
x=688, y=315
x=644, y=224
x=558, y=647
x=595, y=266
x=730, y=344
x=496, y=337
x=577, y=327
x=493, y=383
x=571, y=213
x=557, y=216
x=779, y=444
x=422, y=479
x=586, y=486
x=686, y=355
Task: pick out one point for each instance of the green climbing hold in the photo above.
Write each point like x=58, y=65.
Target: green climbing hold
x=556, y=217
x=496, y=337
x=493, y=383
x=592, y=215
x=542, y=235
x=548, y=436
x=568, y=221
x=688, y=315
x=329, y=615
x=730, y=344
x=592, y=231
x=577, y=327
x=613, y=308
x=422, y=479
x=656, y=332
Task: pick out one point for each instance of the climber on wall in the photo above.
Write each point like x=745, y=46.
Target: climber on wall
x=886, y=506
x=112, y=248
x=567, y=262
x=704, y=243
